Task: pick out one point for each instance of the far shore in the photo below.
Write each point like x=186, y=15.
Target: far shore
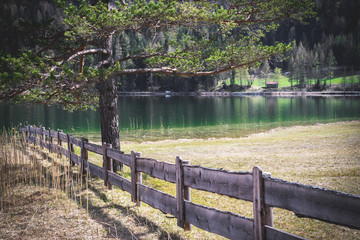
x=257, y=93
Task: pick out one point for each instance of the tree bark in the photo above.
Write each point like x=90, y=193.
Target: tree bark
x=109, y=116
x=108, y=103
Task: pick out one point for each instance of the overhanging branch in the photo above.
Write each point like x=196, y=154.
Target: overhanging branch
x=174, y=71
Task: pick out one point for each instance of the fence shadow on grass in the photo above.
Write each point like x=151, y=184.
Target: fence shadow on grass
x=116, y=228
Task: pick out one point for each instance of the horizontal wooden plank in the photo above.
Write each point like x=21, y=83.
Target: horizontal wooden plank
x=52, y=147
x=157, y=199
x=64, y=151
x=94, y=148
x=119, y=156
x=63, y=136
x=96, y=170
x=161, y=170
x=276, y=234
x=53, y=133
x=75, y=141
x=32, y=129
x=37, y=130
x=119, y=181
x=46, y=132
x=233, y=184
x=307, y=201
x=226, y=224
x=75, y=158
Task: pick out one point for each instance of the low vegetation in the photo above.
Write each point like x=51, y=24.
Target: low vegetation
x=323, y=155
x=348, y=83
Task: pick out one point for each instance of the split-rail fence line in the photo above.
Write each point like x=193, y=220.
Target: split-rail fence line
x=264, y=191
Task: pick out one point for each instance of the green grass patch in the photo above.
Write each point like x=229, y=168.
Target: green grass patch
x=284, y=81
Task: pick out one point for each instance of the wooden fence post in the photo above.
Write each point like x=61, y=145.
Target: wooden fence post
x=50, y=141
x=182, y=193
x=107, y=165
x=136, y=178
x=70, y=149
x=269, y=221
x=42, y=137
x=35, y=136
x=28, y=134
x=83, y=155
x=59, y=143
x=258, y=204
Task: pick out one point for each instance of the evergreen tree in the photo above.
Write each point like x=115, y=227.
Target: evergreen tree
x=265, y=70
x=331, y=63
x=277, y=74
x=291, y=69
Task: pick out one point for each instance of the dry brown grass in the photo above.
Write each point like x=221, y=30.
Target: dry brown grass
x=325, y=155
x=41, y=213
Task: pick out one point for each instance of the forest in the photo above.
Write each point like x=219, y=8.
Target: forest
x=325, y=46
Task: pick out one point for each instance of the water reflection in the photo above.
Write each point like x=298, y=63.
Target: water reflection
x=147, y=113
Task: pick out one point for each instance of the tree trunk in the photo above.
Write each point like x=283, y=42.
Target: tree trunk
x=109, y=116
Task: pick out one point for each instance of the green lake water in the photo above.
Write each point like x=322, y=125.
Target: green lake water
x=154, y=118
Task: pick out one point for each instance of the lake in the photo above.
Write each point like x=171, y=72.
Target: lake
x=153, y=118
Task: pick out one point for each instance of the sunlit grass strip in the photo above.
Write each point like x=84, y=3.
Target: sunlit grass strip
x=222, y=130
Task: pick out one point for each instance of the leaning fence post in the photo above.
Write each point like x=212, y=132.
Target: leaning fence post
x=84, y=155
x=182, y=193
x=136, y=178
x=258, y=204
x=107, y=165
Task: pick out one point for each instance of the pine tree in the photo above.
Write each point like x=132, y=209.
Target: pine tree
x=265, y=70
x=331, y=63
x=291, y=69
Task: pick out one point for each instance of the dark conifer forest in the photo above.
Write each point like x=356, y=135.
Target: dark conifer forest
x=325, y=46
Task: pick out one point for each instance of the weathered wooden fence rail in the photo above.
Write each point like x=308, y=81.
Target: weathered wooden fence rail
x=264, y=191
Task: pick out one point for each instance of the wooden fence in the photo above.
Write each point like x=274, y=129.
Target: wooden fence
x=264, y=191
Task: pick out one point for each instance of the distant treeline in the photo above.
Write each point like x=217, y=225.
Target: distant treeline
x=325, y=47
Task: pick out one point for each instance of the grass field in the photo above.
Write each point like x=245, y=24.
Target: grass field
x=285, y=83
x=323, y=155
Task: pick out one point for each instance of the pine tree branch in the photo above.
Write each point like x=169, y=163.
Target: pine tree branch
x=174, y=71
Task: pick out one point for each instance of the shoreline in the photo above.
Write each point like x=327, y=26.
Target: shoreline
x=226, y=94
